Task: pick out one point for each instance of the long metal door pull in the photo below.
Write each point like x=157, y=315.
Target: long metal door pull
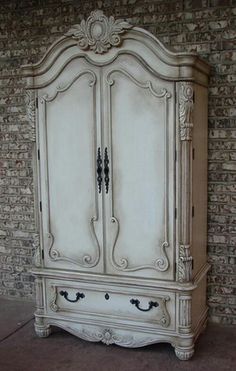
x=106, y=170
x=99, y=170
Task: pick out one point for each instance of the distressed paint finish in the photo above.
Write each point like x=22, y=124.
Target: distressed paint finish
x=199, y=26
x=101, y=111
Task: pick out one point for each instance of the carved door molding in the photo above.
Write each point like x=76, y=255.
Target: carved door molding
x=114, y=117
x=161, y=263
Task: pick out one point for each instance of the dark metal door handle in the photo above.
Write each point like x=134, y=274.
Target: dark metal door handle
x=106, y=170
x=99, y=170
x=151, y=304
x=78, y=296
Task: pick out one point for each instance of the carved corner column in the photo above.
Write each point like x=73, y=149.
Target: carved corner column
x=186, y=104
x=185, y=309
x=31, y=106
x=42, y=329
x=184, y=348
x=39, y=296
x=30, y=100
x=37, y=252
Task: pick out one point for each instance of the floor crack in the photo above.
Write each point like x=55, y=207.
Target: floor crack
x=16, y=330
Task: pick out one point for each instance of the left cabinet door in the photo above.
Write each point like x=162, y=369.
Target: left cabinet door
x=69, y=138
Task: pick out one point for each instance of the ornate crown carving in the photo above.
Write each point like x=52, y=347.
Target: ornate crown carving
x=98, y=33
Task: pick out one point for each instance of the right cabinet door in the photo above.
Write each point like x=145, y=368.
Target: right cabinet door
x=139, y=202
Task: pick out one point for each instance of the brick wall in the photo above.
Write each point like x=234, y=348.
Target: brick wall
x=27, y=28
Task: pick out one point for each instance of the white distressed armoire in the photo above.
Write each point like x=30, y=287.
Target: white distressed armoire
x=120, y=162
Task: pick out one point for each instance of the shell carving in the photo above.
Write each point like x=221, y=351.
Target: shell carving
x=98, y=33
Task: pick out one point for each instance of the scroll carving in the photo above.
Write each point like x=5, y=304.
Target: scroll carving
x=109, y=336
x=160, y=264
x=184, y=264
x=165, y=319
x=186, y=110
x=106, y=336
x=87, y=261
x=30, y=112
x=98, y=33
x=53, y=304
x=62, y=89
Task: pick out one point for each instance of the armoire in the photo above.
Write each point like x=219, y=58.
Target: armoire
x=118, y=125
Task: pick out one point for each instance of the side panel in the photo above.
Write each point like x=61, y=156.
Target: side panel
x=199, y=307
x=199, y=182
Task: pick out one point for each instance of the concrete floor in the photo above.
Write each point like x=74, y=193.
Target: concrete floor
x=22, y=350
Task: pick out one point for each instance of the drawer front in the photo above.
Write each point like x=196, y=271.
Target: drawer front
x=153, y=307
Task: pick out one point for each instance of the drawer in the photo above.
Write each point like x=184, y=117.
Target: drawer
x=113, y=302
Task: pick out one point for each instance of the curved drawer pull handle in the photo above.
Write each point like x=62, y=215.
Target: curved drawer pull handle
x=136, y=302
x=78, y=296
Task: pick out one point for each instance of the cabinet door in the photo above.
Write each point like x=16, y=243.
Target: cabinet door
x=69, y=138
x=139, y=136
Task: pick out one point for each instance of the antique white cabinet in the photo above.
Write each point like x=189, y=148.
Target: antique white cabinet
x=120, y=131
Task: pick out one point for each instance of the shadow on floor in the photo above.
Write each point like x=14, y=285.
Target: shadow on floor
x=22, y=350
